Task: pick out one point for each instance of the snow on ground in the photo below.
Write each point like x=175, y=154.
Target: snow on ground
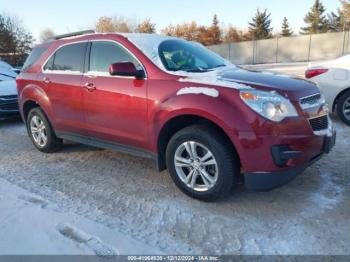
x=31, y=225
x=84, y=200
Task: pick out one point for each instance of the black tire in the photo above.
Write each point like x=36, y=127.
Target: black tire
x=53, y=143
x=340, y=107
x=228, y=167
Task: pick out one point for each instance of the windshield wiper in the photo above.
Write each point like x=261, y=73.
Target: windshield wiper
x=222, y=65
x=197, y=70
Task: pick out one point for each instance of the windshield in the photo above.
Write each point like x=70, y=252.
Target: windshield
x=178, y=55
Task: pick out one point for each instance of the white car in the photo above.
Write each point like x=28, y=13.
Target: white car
x=333, y=78
x=8, y=92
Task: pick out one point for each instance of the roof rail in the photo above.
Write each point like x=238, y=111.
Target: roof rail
x=85, y=32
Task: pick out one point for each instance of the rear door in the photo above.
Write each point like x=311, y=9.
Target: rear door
x=62, y=76
x=116, y=107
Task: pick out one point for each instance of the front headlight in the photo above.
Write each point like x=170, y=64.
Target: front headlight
x=270, y=105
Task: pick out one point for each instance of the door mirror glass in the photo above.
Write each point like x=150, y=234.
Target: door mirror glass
x=125, y=69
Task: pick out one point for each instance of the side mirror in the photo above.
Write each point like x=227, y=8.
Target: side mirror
x=125, y=69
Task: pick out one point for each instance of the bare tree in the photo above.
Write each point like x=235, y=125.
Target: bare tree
x=232, y=35
x=46, y=35
x=114, y=24
x=15, y=40
x=146, y=27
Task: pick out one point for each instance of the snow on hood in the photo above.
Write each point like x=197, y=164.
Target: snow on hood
x=8, y=88
x=214, y=77
x=199, y=91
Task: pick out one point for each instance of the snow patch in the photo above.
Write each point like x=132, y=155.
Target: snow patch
x=211, y=78
x=198, y=90
x=93, y=242
x=329, y=195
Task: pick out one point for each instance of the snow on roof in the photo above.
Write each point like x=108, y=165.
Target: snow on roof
x=148, y=44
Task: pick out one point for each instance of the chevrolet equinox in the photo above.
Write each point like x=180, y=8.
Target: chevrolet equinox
x=210, y=123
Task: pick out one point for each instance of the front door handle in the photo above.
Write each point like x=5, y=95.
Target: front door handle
x=90, y=87
x=46, y=80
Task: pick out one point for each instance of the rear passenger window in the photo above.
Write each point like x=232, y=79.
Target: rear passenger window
x=68, y=58
x=103, y=54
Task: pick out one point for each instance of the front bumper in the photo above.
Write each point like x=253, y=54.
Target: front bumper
x=265, y=181
x=8, y=107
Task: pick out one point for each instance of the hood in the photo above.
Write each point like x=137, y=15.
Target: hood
x=238, y=78
x=6, y=72
x=292, y=87
x=8, y=88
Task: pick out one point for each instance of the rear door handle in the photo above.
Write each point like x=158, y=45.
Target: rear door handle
x=46, y=80
x=90, y=87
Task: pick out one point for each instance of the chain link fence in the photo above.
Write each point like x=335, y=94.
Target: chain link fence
x=302, y=48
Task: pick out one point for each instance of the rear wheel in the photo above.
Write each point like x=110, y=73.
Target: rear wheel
x=343, y=108
x=201, y=163
x=41, y=132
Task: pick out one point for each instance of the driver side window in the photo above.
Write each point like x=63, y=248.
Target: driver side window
x=103, y=54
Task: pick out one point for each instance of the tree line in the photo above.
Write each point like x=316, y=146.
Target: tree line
x=316, y=21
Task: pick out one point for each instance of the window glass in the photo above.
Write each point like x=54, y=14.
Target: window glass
x=70, y=58
x=33, y=57
x=49, y=64
x=103, y=54
x=179, y=55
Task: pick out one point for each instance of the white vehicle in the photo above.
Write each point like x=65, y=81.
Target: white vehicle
x=333, y=78
x=8, y=92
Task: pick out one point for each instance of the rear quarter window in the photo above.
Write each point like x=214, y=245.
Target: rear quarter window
x=33, y=57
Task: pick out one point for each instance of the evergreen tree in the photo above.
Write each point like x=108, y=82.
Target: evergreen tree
x=335, y=22
x=260, y=27
x=286, y=30
x=315, y=19
x=215, y=31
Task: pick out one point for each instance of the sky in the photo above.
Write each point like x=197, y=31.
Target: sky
x=72, y=15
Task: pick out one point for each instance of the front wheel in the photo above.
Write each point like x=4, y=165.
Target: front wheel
x=41, y=132
x=201, y=163
x=343, y=108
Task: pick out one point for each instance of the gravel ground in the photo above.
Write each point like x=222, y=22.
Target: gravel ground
x=310, y=215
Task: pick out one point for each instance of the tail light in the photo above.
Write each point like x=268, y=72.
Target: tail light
x=310, y=73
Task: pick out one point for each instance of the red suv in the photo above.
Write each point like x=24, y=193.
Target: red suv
x=209, y=122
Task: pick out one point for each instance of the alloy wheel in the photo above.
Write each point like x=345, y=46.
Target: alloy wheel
x=346, y=108
x=196, y=166
x=38, y=131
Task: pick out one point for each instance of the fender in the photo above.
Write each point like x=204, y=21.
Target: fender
x=36, y=94
x=224, y=113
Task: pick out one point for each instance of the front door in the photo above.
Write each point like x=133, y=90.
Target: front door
x=115, y=107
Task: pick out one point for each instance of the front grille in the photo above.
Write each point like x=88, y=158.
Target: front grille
x=8, y=97
x=319, y=123
x=9, y=107
x=310, y=101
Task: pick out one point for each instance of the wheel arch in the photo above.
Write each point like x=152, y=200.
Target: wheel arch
x=335, y=102
x=178, y=122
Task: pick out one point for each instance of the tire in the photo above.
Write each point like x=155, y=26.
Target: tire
x=342, y=105
x=41, y=132
x=223, y=170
